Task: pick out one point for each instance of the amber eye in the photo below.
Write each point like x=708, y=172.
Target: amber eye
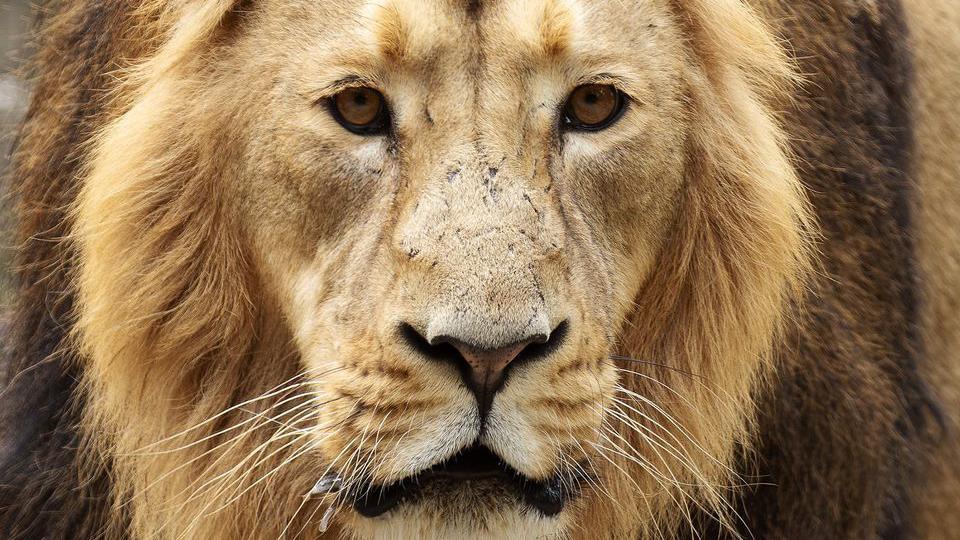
x=361, y=110
x=592, y=107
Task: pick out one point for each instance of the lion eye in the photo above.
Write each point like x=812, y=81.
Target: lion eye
x=592, y=107
x=361, y=110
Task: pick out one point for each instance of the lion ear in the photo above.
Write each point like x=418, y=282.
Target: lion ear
x=195, y=22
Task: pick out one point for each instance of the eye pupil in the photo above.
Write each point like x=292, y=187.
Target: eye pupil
x=593, y=107
x=361, y=110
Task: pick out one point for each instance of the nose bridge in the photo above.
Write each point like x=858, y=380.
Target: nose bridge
x=480, y=206
x=486, y=198
x=479, y=247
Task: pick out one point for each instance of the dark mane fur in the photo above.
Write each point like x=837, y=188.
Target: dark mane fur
x=856, y=384
x=41, y=491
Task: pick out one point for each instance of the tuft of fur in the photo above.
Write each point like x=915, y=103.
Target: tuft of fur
x=727, y=280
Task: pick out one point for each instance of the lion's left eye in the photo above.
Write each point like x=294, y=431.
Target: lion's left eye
x=593, y=107
x=361, y=110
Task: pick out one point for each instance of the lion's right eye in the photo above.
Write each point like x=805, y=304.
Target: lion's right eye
x=361, y=110
x=592, y=107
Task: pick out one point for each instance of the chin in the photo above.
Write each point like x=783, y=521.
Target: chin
x=474, y=494
x=463, y=510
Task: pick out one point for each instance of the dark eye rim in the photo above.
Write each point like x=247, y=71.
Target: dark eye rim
x=380, y=125
x=569, y=123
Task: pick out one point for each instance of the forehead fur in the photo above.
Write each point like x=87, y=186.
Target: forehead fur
x=405, y=30
x=410, y=29
x=543, y=27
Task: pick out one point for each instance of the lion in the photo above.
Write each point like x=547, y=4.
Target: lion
x=486, y=269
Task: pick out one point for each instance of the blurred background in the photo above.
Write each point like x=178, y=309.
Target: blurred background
x=15, y=19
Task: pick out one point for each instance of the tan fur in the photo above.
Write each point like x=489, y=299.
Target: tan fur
x=244, y=261
x=938, y=101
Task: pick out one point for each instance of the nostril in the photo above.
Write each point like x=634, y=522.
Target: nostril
x=440, y=350
x=541, y=346
x=445, y=347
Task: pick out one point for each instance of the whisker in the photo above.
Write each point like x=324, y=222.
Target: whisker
x=660, y=441
x=278, y=389
x=659, y=365
x=224, y=479
x=673, y=477
x=713, y=490
x=683, y=430
x=233, y=442
x=225, y=483
x=663, y=481
x=255, y=416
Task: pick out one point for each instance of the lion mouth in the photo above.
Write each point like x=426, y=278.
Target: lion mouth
x=473, y=464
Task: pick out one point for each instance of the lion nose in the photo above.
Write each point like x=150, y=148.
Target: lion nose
x=484, y=369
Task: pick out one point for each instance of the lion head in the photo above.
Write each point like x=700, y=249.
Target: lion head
x=429, y=267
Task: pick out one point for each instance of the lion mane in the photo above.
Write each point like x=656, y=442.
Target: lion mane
x=783, y=351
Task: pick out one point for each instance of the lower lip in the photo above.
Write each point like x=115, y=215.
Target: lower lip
x=378, y=501
x=548, y=497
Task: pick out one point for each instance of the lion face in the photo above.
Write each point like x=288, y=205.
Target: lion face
x=455, y=258
x=499, y=247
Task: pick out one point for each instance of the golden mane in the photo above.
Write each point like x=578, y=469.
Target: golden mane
x=728, y=307
x=168, y=312
x=180, y=369
x=701, y=336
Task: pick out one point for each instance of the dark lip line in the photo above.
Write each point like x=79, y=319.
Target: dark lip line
x=547, y=496
x=437, y=470
x=457, y=475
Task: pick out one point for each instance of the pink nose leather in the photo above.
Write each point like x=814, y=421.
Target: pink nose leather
x=484, y=369
x=487, y=366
